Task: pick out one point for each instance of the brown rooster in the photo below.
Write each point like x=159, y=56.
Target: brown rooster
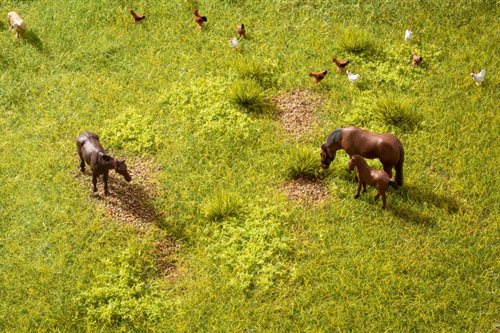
x=341, y=64
x=137, y=17
x=318, y=75
x=415, y=59
x=198, y=19
x=241, y=30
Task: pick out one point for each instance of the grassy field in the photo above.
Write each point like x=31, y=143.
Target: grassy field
x=248, y=259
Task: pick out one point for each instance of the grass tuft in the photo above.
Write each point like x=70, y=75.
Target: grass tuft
x=398, y=112
x=356, y=40
x=221, y=205
x=247, y=95
x=301, y=162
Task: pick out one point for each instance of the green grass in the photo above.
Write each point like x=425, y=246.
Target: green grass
x=162, y=88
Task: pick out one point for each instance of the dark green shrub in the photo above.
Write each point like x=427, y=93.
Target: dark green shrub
x=398, y=112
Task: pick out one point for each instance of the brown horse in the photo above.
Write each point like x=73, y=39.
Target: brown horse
x=355, y=141
x=367, y=175
x=91, y=151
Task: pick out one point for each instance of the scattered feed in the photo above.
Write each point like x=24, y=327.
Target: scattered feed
x=295, y=109
x=306, y=191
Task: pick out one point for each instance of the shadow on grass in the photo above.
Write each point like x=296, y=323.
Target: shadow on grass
x=420, y=194
x=32, y=38
x=411, y=215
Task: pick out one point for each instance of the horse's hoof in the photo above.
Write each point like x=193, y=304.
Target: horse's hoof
x=356, y=196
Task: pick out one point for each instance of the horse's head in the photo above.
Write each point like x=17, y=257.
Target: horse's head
x=326, y=158
x=121, y=168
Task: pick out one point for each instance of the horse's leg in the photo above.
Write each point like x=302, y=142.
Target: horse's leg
x=105, y=178
x=364, y=187
x=359, y=189
x=82, y=162
x=94, y=182
x=384, y=201
x=388, y=169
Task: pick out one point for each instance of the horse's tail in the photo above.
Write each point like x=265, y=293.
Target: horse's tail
x=393, y=184
x=399, y=167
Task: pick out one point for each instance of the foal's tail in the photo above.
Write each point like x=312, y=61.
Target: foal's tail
x=399, y=167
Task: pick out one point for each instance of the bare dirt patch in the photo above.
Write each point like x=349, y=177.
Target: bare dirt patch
x=295, y=109
x=305, y=190
x=132, y=203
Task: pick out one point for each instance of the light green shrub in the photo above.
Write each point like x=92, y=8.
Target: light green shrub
x=302, y=162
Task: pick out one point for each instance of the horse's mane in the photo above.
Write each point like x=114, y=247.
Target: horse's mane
x=334, y=137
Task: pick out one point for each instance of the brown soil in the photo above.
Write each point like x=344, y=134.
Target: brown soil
x=132, y=203
x=295, y=109
x=306, y=191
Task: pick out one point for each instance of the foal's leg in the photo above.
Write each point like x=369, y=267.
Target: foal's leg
x=360, y=183
x=364, y=187
x=82, y=162
x=105, y=178
x=383, y=201
x=94, y=182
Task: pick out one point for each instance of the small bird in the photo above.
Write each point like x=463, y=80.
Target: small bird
x=16, y=23
x=198, y=19
x=241, y=30
x=137, y=17
x=341, y=64
x=415, y=59
x=353, y=78
x=479, y=77
x=408, y=34
x=318, y=75
x=233, y=42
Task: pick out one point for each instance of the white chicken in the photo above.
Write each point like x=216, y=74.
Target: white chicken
x=234, y=42
x=479, y=77
x=353, y=78
x=16, y=23
x=408, y=34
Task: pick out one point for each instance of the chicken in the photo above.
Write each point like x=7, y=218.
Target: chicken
x=479, y=77
x=16, y=23
x=233, y=42
x=408, y=34
x=353, y=78
x=137, y=17
x=415, y=59
x=241, y=30
x=198, y=19
x=341, y=64
x=318, y=75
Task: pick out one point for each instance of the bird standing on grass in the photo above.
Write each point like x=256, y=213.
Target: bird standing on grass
x=415, y=59
x=318, y=75
x=16, y=23
x=137, y=17
x=241, y=30
x=198, y=19
x=353, y=78
x=341, y=64
x=234, y=42
x=408, y=34
x=479, y=77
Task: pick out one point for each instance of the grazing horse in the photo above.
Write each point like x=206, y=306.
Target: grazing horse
x=367, y=175
x=355, y=141
x=91, y=151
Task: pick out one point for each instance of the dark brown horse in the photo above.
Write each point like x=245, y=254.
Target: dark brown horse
x=91, y=151
x=367, y=175
x=355, y=141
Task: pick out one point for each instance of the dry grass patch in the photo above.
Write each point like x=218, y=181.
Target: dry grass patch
x=295, y=109
x=305, y=190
